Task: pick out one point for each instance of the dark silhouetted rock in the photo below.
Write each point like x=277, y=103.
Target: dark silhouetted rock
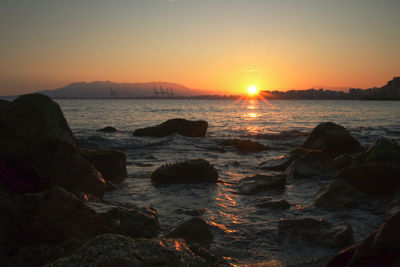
x=343, y=161
x=111, y=186
x=133, y=221
x=316, y=231
x=111, y=163
x=284, y=135
x=245, y=145
x=36, y=140
x=332, y=139
x=180, y=126
x=376, y=171
x=195, y=230
x=117, y=250
x=259, y=183
x=273, y=204
x=190, y=212
x=382, y=248
x=189, y=171
x=108, y=129
x=338, y=195
x=53, y=216
x=310, y=164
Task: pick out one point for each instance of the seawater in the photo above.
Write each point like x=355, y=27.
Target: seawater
x=243, y=234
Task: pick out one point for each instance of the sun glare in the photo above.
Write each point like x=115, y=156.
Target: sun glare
x=252, y=90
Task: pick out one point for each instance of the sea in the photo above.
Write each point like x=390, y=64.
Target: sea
x=243, y=233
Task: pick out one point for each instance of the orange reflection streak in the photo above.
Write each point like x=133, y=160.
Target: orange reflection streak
x=223, y=227
x=178, y=245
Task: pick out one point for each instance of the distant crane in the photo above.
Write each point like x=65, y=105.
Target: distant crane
x=156, y=93
x=112, y=93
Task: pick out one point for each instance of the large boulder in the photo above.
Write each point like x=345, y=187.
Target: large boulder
x=194, y=230
x=259, y=183
x=338, y=195
x=316, y=231
x=36, y=141
x=180, y=126
x=111, y=163
x=311, y=164
x=245, y=145
x=382, y=248
x=189, y=171
x=117, y=250
x=53, y=216
x=332, y=139
x=375, y=171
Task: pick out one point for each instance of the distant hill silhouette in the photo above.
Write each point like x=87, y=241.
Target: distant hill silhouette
x=104, y=89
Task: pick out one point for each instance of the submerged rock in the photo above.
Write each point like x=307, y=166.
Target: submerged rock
x=311, y=163
x=316, y=231
x=107, y=129
x=189, y=171
x=195, y=230
x=382, y=248
x=118, y=250
x=245, y=145
x=338, y=195
x=111, y=163
x=332, y=139
x=180, y=126
x=375, y=171
x=259, y=183
x=36, y=139
x=273, y=204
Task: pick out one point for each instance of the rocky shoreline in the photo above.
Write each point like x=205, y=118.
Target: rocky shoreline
x=53, y=212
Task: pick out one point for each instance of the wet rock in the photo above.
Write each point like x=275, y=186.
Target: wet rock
x=130, y=221
x=53, y=216
x=382, y=248
x=111, y=186
x=259, y=183
x=273, y=204
x=111, y=163
x=117, y=250
x=180, y=126
x=108, y=129
x=338, y=195
x=36, y=139
x=245, y=145
x=316, y=231
x=280, y=164
x=190, y=212
x=343, y=161
x=375, y=171
x=195, y=230
x=310, y=164
x=284, y=135
x=332, y=139
x=189, y=171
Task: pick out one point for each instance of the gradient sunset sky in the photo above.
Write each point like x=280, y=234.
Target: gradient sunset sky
x=219, y=45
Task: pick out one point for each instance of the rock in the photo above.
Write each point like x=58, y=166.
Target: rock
x=180, y=126
x=189, y=171
x=190, y=212
x=107, y=129
x=133, y=221
x=342, y=161
x=338, y=195
x=36, y=140
x=53, y=216
x=310, y=164
x=259, y=183
x=332, y=139
x=195, y=230
x=284, y=135
x=375, y=171
x=316, y=231
x=111, y=163
x=382, y=248
x=111, y=186
x=280, y=164
x=245, y=145
x=273, y=204
x=117, y=250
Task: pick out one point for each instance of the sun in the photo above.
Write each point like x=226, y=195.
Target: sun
x=252, y=90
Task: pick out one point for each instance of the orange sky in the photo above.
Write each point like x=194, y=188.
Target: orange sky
x=224, y=46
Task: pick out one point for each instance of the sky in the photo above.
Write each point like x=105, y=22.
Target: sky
x=223, y=46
